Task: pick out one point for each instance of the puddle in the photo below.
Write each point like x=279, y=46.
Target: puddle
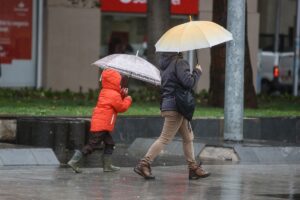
x=283, y=196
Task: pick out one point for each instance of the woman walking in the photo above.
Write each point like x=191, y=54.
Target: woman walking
x=175, y=73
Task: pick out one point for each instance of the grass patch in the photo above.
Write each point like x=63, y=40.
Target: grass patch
x=47, y=103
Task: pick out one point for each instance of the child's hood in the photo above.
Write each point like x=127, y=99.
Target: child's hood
x=111, y=79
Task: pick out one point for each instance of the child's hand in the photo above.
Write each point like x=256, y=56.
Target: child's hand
x=124, y=92
x=129, y=97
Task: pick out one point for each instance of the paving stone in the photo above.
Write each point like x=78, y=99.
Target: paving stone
x=44, y=157
x=28, y=156
x=17, y=157
x=219, y=153
x=268, y=154
x=141, y=145
x=246, y=154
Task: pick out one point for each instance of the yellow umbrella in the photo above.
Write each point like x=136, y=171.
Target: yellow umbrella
x=192, y=35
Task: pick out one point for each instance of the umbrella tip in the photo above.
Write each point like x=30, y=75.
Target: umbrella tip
x=137, y=53
x=190, y=17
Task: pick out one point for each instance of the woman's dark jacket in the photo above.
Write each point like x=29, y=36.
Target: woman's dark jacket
x=172, y=77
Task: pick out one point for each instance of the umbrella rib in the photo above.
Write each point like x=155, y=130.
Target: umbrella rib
x=203, y=35
x=184, y=30
x=143, y=77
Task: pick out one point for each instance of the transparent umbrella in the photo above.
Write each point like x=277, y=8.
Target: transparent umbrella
x=131, y=66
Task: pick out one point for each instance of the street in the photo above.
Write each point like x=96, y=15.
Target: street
x=227, y=182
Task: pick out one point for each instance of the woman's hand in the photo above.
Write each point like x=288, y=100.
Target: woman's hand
x=199, y=67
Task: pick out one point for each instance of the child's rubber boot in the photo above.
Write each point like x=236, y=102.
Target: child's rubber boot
x=107, y=164
x=74, y=162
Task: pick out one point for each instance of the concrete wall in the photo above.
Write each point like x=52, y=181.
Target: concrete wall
x=205, y=13
x=73, y=132
x=267, y=8
x=72, y=40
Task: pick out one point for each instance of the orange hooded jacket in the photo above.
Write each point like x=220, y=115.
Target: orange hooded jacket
x=110, y=102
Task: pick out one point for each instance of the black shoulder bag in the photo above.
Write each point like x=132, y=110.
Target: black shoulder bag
x=185, y=101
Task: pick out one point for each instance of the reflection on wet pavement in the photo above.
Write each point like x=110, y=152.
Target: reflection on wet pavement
x=227, y=182
x=283, y=196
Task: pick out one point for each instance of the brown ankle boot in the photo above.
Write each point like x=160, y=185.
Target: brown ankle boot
x=143, y=169
x=196, y=172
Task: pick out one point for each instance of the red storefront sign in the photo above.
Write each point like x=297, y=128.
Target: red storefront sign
x=15, y=30
x=184, y=7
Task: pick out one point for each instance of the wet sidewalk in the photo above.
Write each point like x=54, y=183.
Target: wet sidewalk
x=227, y=182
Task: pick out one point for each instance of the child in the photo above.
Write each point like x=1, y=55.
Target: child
x=112, y=100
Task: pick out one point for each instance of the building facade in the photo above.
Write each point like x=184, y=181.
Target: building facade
x=66, y=36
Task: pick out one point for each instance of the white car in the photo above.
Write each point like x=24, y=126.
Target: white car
x=273, y=78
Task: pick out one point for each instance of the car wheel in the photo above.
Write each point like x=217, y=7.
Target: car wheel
x=265, y=87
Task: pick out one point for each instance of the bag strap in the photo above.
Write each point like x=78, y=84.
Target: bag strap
x=176, y=67
x=176, y=73
x=179, y=83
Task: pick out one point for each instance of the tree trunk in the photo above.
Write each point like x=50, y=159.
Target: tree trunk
x=158, y=22
x=218, y=58
x=218, y=61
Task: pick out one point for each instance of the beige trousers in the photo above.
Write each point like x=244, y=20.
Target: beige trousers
x=174, y=122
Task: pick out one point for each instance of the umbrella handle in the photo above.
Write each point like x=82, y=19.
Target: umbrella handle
x=196, y=56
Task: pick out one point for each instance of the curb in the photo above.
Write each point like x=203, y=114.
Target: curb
x=244, y=154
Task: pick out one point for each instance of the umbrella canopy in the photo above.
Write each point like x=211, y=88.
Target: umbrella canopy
x=131, y=66
x=192, y=35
